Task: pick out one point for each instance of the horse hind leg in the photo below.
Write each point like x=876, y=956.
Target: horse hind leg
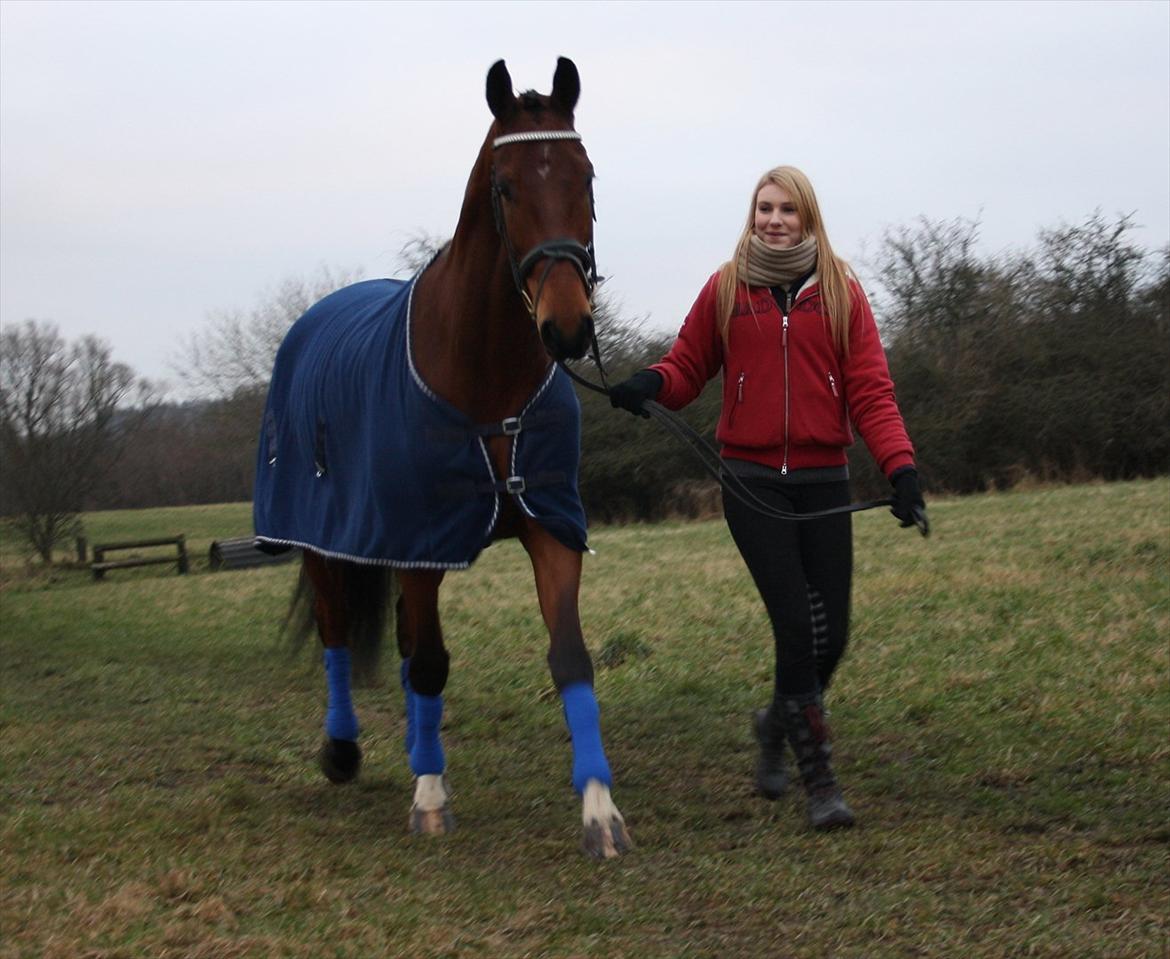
x=424, y=676
x=430, y=809
x=340, y=755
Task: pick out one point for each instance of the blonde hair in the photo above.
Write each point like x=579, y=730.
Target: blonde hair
x=833, y=273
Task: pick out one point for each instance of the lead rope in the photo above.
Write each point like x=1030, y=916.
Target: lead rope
x=709, y=457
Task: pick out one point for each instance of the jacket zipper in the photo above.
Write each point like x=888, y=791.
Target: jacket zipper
x=833, y=385
x=784, y=344
x=787, y=396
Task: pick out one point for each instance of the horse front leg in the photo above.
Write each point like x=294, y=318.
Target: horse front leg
x=424, y=676
x=558, y=578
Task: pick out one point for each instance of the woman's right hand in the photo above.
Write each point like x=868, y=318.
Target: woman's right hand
x=632, y=393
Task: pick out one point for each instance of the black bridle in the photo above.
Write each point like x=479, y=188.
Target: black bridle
x=581, y=255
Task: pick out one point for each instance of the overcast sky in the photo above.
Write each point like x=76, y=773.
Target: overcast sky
x=161, y=161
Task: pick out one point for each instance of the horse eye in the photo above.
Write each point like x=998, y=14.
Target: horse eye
x=505, y=189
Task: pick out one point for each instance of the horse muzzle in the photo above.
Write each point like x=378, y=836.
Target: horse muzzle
x=567, y=340
x=559, y=301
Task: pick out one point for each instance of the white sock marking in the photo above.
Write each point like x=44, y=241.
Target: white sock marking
x=597, y=805
x=430, y=793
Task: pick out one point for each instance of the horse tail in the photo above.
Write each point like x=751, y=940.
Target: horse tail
x=365, y=592
x=369, y=593
x=299, y=620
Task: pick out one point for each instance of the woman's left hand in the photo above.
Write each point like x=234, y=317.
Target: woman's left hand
x=909, y=506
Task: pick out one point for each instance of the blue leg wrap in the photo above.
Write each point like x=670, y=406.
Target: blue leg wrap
x=426, y=755
x=584, y=721
x=340, y=719
x=408, y=696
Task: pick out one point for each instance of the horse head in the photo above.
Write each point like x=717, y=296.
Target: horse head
x=542, y=198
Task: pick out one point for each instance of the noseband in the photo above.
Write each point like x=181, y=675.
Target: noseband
x=562, y=248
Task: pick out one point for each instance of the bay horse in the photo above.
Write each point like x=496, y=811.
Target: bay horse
x=411, y=423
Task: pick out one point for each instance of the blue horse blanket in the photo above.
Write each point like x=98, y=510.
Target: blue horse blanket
x=360, y=460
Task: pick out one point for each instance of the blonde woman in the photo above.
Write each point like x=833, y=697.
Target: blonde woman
x=794, y=337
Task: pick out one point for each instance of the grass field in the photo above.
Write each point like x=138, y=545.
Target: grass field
x=1002, y=725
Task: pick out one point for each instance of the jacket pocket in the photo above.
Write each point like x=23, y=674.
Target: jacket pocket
x=752, y=414
x=818, y=409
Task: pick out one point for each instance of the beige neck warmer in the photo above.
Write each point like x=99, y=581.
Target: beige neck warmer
x=763, y=265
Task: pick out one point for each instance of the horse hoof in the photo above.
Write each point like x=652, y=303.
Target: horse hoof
x=432, y=822
x=340, y=760
x=430, y=813
x=606, y=840
x=605, y=830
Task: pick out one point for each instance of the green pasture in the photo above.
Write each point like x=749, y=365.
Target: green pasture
x=1002, y=724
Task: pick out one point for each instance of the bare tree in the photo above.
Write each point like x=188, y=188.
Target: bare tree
x=65, y=412
x=235, y=353
x=419, y=250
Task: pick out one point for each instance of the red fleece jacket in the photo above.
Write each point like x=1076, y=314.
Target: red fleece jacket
x=788, y=396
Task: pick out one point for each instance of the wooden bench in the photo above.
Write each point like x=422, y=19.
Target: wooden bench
x=101, y=565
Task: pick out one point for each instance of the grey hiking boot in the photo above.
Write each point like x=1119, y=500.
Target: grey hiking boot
x=771, y=771
x=808, y=733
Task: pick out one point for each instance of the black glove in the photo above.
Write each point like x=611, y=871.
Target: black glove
x=630, y=394
x=908, y=506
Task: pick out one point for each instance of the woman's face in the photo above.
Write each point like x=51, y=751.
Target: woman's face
x=777, y=222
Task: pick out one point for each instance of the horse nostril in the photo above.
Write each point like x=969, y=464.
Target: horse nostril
x=550, y=337
x=561, y=347
x=584, y=334
x=587, y=327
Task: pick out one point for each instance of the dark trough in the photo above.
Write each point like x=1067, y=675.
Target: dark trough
x=242, y=553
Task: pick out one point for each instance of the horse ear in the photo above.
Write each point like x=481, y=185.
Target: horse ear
x=566, y=85
x=499, y=91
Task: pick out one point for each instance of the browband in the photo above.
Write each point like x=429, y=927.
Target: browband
x=535, y=136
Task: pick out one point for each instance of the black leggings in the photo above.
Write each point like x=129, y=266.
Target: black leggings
x=803, y=570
